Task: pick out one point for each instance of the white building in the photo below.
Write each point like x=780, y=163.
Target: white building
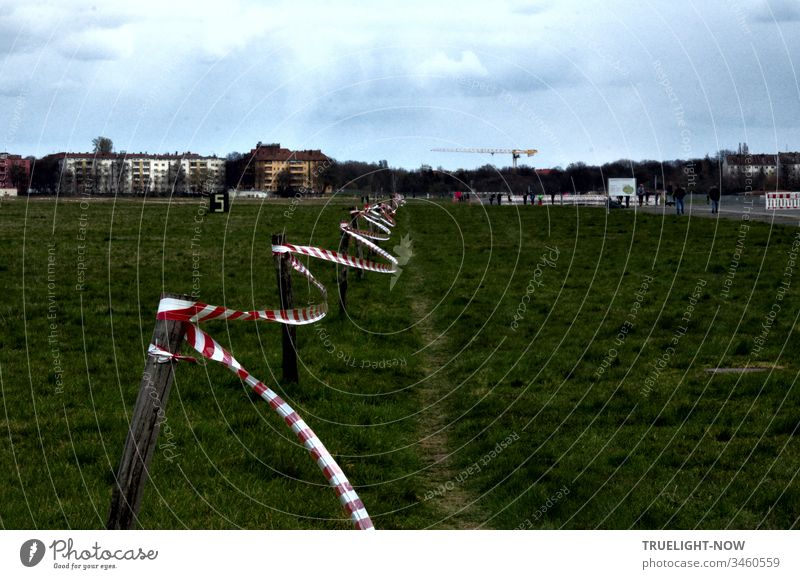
x=783, y=166
x=138, y=173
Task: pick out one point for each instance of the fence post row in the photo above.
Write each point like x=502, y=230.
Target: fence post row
x=149, y=411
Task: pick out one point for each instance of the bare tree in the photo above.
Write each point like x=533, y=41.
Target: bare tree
x=176, y=178
x=19, y=178
x=119, y=176
x=284, y=183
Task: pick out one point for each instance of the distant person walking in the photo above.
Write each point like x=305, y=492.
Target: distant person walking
x=491, y=199
x=658, y=195
x=678, y=195
x=552, y=197
x=640, y=194
x=713, y=195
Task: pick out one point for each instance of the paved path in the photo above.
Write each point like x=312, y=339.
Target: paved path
x=732, y=207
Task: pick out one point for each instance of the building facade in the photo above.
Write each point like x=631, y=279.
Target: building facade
x=781, y=170
x=137, y=173
x=15, y=173
x=275, y=168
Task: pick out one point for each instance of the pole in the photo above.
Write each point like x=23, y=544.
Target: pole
x=148, y=415
x=354, y=224
x=344, y=245
x=289, y=333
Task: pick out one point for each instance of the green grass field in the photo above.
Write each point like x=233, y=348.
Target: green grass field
x=530, y=368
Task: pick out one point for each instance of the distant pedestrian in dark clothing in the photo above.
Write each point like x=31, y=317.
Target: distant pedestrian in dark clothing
x=491, y=199
x=627, y=200
x=678, y=195
x=658, y=195
x=647, y=197
x=499, y=198
x=552, y=198
x=640, y=194
x=713, y=195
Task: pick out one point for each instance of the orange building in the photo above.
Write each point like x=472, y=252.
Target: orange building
x=304, y=167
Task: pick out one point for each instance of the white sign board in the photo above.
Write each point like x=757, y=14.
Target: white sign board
x=621, y=187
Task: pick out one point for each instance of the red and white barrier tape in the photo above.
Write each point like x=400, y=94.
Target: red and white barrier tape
x=192, y=313
x=380, y=215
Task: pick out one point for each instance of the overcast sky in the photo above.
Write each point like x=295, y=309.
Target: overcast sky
x=391, y=80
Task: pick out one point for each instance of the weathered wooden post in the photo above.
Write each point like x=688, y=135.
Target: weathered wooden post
x=344, y=245
x=289, y=333
x=148, y=415
x=354, y=225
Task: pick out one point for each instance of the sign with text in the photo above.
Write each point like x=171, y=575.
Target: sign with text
x=219, y=202
x=621, y=187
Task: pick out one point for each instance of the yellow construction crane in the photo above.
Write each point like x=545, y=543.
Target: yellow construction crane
x=515, y=153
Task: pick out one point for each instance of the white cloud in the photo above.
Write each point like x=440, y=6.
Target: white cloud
x=440, y=64
x=98, y=44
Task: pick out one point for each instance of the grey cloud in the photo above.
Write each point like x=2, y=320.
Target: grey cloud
x=771, y=11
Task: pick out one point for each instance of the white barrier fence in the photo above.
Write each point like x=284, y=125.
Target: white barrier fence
x=782, y=200
x=557, y=199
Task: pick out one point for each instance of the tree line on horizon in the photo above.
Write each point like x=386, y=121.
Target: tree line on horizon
x=698, y=174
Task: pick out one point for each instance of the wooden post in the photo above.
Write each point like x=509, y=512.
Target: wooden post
x=148, y=415
x=371, y=229
x=354, y=224
x=289, y=333
x=344, y=245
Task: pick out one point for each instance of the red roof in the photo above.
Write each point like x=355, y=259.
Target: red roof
x=123, y=156
x=275, y=152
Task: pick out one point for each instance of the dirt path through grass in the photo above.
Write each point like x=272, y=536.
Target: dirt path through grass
x=456, y=507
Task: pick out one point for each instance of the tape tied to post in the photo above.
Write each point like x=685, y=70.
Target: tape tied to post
x=192, y=313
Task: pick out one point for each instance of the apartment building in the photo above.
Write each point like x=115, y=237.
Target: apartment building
x=304, y=168
x=782, y=166
x=137, y=173
x=14, y=173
